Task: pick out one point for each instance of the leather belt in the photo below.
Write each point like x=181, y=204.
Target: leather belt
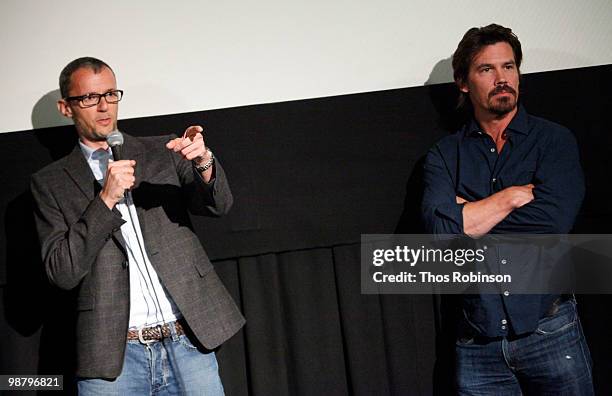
x=147, y=335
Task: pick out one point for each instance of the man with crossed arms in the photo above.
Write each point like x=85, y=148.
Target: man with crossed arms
x=508, y=172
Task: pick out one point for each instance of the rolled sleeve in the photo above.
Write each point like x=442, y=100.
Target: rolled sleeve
x=441, y=212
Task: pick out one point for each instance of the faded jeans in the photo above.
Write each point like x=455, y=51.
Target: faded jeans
x=554, y=360
x=169, y=367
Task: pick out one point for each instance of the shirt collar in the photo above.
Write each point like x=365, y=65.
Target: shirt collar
x=88, y=152
x=519, y=124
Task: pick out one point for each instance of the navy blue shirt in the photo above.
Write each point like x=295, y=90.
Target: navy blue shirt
x=467, y=164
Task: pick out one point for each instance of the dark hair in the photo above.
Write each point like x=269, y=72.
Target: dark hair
x=88, y=62
x=473, y=41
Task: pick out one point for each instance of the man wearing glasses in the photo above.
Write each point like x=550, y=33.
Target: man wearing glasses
x=150, y=307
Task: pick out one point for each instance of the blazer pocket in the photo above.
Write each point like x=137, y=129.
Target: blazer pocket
x=203, y=266
x=85, y=302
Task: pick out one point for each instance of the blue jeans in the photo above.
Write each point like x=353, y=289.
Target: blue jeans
x=169, y=367
x=553, y=360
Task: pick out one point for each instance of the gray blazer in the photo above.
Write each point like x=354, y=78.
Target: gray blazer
x=82, y=248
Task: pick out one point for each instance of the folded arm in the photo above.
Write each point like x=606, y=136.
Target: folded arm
x=549, y=205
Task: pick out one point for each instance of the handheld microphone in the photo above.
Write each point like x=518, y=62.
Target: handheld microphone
x=115, y=141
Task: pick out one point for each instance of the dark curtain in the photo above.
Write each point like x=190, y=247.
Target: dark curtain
x=311, y=332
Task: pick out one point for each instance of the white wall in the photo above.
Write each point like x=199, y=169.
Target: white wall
x=201, y=55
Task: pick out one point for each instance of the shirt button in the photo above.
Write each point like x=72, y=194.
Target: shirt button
x=504, y=321
x=492, y=150
x=494, y=179
x=503, y=327
x=504, y=261
x=506, y=293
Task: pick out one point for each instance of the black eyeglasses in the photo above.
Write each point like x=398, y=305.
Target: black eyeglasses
x=93, y=99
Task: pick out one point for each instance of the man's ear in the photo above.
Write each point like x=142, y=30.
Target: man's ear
x=64, y=108
x=463, y=87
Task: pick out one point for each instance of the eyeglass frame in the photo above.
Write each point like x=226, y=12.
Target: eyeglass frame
x=99, y=96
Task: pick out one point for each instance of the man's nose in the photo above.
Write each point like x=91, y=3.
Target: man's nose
x=500, y=76
x=102, y=105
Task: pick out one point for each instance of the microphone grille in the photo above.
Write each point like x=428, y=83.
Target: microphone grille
x=115, y=138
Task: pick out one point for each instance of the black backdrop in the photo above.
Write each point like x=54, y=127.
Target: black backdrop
x=308, y=177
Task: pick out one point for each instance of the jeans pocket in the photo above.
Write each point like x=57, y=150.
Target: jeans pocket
x=185, y=343
x=464, y=341
x=565, y=319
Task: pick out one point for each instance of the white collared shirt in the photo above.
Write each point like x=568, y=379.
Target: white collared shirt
x=150, y=304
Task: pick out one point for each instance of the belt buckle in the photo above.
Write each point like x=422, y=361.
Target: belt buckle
x=141, y=337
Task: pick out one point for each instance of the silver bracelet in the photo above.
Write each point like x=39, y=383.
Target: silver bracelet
x=207, y=165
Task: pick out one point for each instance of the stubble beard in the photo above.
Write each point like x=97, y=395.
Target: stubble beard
x=93, y=135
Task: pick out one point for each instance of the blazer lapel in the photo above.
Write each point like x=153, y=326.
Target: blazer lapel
x=78, y=170
x=134, y=150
